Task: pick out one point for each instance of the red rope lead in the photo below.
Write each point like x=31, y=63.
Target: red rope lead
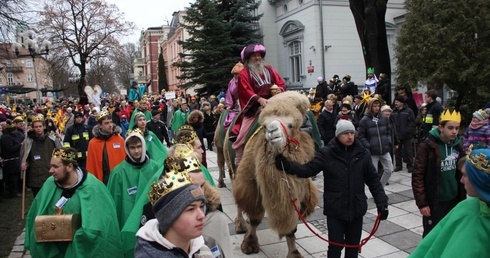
x=359, y=246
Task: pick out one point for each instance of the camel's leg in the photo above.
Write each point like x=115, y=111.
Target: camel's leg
x=250, y=243
x=292, y=250
x=221, y=167
x=240, y=223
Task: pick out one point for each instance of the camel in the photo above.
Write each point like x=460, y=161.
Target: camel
x=259, y=187
x=219, y=141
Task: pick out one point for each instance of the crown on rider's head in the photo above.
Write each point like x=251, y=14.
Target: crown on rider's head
x=449, y=115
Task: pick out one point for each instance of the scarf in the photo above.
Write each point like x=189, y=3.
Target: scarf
x=478, y=125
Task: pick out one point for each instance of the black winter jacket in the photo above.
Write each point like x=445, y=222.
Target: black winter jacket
x=78, y=136
x=326, y=125
x=404, y=120
x=346, y=170
x=375, y=133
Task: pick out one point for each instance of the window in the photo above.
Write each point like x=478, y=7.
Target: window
x=300, y=2
x=29, y=63
x=285, y=7
x=295, y=61
x=10, y=79
x=9, y=63
x=1, y=81
x=30, y=77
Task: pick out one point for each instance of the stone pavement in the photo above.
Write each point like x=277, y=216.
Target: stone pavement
x=396, y=237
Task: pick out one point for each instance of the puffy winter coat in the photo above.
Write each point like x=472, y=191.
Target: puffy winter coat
x=374, y=132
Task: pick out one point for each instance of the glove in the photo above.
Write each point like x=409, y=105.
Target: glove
x=383, y=210
x=281, y=162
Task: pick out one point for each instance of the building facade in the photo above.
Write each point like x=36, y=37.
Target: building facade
x=18, y=72
x=292, y=33
x=146, y=67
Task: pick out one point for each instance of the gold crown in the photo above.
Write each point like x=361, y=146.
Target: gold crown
x=187, y=138
x=133, y=132
x=38, y=118
x=449, y=115
x=18, y=119
x=65, y=154
x=170, y=182
x=479, y=161
x=183, y=160
x=102, y=114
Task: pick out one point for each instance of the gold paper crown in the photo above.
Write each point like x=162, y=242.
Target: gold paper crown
x=183, y=160
x=18, y=119
x=449, y=115
x=64, y=154
x=170, y=182
x=38, y=118
x=480, y=161
x=102, y=114
x=187, y=138
x=133, y=132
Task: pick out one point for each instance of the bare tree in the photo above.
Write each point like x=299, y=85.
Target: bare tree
x=123, y=62
x=12, y=14
x=83, y=30
x=101, y=73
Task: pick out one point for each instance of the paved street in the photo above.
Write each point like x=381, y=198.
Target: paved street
x=396, y=237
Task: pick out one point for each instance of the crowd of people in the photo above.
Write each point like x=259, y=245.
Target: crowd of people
x=134, y=169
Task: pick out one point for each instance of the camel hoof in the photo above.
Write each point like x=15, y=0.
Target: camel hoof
x=221, y=184
x=240, y=226
x=294, y=254
x=250, y=244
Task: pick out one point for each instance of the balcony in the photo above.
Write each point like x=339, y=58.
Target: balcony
x=140, y=79
x=14, y=69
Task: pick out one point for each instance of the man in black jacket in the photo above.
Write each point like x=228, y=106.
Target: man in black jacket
x=77, y=136
x=346, y=167
x=434, y=110
x=404, y=120
x=158, y=127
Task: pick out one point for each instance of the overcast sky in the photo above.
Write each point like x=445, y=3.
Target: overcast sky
x=149, y=13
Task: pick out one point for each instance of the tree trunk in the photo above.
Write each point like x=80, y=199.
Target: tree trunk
x=369, y=17
x=81, y=84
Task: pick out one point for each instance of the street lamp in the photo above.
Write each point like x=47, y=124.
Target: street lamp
x=34, y=50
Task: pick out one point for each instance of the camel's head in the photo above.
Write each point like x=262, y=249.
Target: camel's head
x=282, y=118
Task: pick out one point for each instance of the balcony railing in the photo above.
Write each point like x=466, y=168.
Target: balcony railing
x=13, y=69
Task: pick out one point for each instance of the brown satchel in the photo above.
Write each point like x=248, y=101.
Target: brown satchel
x=58, y=227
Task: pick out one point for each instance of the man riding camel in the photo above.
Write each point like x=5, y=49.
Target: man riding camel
x=254, y=84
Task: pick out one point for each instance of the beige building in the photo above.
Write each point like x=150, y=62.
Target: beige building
x=18, y=73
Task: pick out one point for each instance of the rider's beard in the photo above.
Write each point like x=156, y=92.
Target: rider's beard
x=256, y=67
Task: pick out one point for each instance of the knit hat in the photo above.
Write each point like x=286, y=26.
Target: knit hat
x=138, y=134
x=400, y=98
x=386, y=107
x=138, y=116
x=77, y=114
x=478, y=171
x=480, y=115
x=155, y=112
x=170, y=196
x=319, y=79
x=344, y=126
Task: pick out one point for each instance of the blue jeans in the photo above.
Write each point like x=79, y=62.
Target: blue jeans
x=343, y=231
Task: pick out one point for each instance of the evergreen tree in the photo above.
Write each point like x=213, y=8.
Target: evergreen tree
x=244, y=22
x=206, y=61
x=162, y=76
x=446, y=43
